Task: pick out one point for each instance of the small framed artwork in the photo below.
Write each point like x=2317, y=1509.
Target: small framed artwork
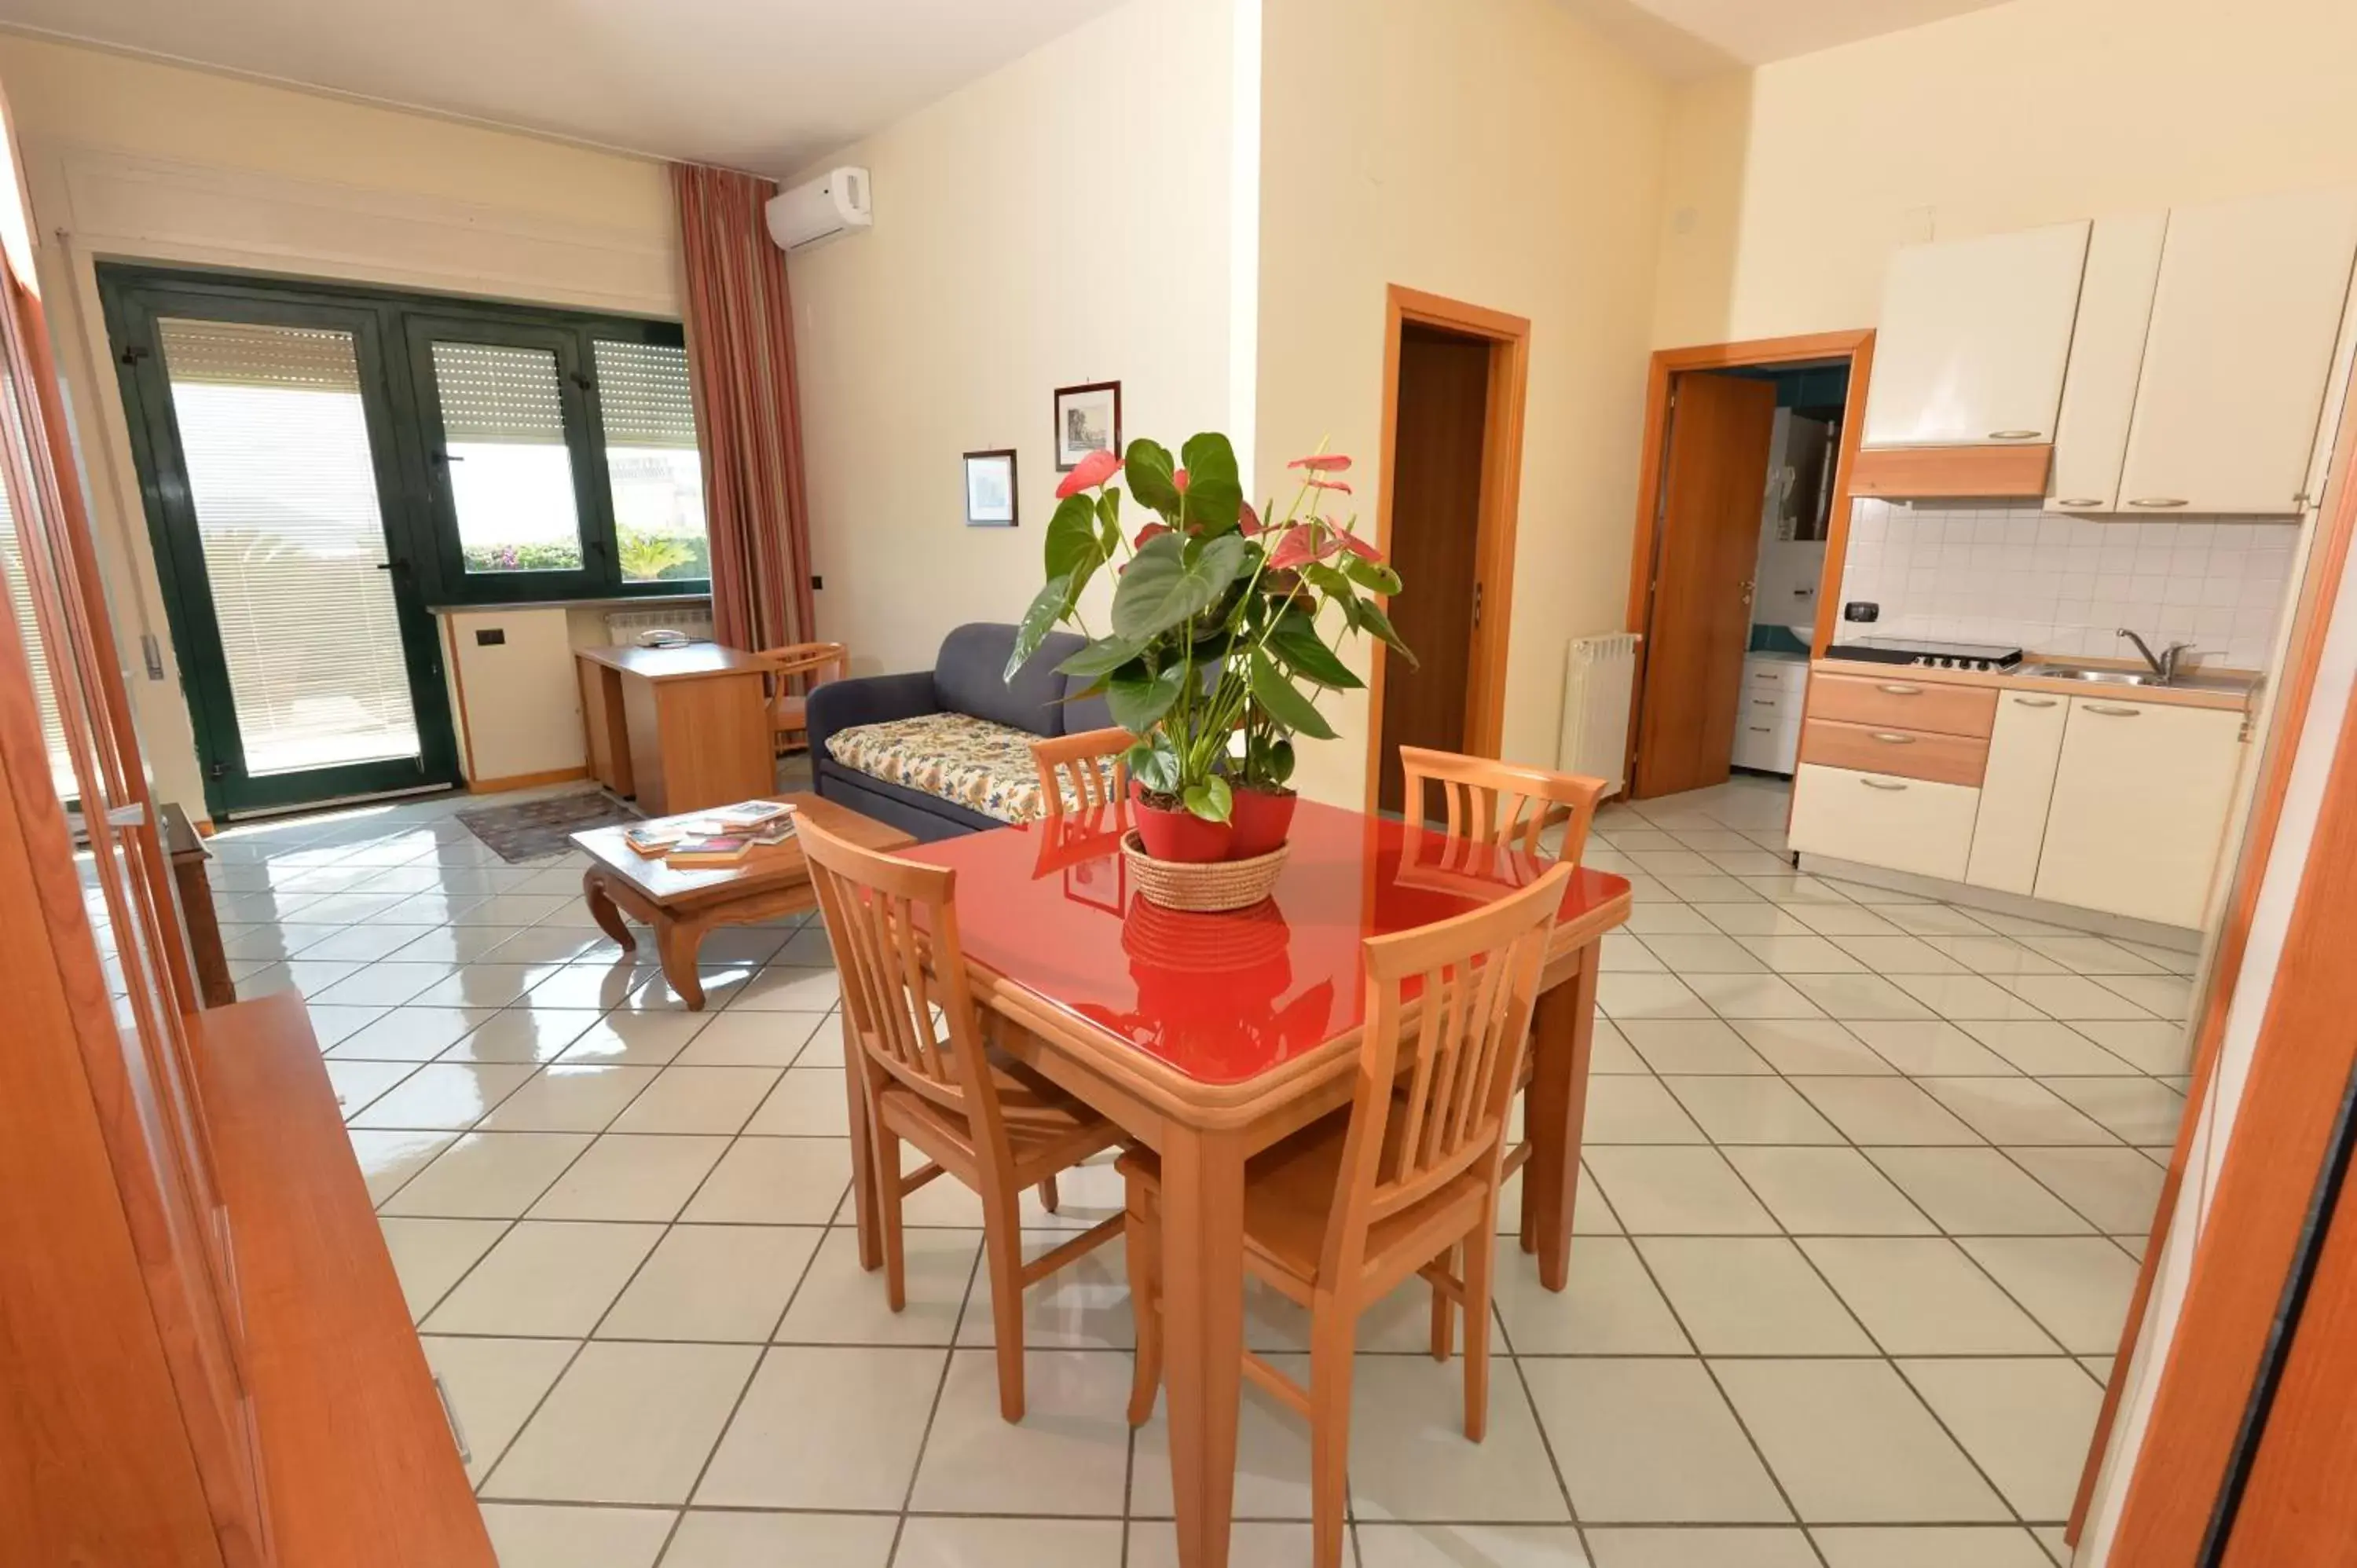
x=990, y=489
x=1088, y=419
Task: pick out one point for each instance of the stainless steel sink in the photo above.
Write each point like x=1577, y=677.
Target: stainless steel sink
x=2188, y=681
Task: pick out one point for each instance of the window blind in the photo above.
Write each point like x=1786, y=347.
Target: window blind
x=45, y=696
x=643, y=392
x=283, y=482
x=492, y=394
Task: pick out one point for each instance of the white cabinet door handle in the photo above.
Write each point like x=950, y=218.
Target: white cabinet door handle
x=2111, y=713
x=2155, y=502
x=2037, y=702
x=2015, y=435
x=2087, y=502
x=1894, y=689
x=1882, y=783
x=1892, y=737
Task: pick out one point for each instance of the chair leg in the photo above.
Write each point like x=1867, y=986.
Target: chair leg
x=886, y=1146
x=1048, y=1199
x=1444, y=1311
x=1480, y=1266
x=1142, y=1240
x=1002, y=1239
x=1334, y=1337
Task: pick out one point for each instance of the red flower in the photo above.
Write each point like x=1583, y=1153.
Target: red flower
x=1298, y=547
x=1330, y=484
x=1321, y=462
x=1091, y=471
x=1248, y=521
x=1360, y=547
x=1148, y=532
x=1179, y=481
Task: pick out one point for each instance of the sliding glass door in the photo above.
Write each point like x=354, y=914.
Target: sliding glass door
x=266, y=439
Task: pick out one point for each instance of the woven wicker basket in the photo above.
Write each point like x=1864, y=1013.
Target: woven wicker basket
x=1207, y=887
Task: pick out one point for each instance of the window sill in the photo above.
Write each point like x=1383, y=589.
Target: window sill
x=609, y=601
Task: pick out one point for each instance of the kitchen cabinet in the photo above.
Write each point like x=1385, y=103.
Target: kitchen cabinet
x=1880, y=819
x=1768, y=725
x=2016, y=788
x=2246, y=309
x=1974, y=338
x=2091, y=434
x=2141, y=795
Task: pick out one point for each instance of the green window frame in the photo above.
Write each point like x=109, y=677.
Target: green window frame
x=426, y=532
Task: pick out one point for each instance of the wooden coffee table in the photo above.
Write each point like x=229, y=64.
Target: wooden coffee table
x=682, y=905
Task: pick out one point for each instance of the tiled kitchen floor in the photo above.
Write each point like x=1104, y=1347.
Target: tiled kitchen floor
x=1867, y=1179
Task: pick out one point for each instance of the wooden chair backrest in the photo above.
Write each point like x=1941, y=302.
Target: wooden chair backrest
x=1459, y=994
x=1082, y=759
x=895, y=970
x=808, y=659
x=1507, y=804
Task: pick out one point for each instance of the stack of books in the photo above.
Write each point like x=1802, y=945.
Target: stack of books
x=723, y=836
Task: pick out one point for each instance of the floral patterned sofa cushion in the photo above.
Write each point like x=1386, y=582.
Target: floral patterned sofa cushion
x=971, y=762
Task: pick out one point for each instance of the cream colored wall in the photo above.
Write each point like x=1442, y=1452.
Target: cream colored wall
x=1501, y=154
x=1788, y=185
x=1064, y=219
x=131, y=159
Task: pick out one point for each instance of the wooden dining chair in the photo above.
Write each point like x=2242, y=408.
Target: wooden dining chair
x=818, y=662
x=1405, y=1183
x=1089, y=764
x=1507, y=803
x=981, y=1118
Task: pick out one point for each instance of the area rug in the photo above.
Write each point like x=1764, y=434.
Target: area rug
x=537, y=828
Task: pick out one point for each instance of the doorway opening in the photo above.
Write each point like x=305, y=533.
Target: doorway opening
x=1749, y=448
x=1454, y=378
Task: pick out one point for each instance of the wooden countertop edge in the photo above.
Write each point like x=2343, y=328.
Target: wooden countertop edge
x=363, y=1471
x=737, y=663
x=1997, y=681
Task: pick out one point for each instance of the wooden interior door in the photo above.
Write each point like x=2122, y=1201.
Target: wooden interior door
x=1436, y=509
x=1706, y=551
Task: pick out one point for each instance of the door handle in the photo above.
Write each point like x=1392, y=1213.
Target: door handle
x=2037, y=702
x=2111, y=713
x=1895, y=689
x=2015, y=435
x=2155, y=502
x=1882, y=783
x=1892, y=737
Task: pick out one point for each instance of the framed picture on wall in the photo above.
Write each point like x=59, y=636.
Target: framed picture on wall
x=990, y=489
x=1088, y=419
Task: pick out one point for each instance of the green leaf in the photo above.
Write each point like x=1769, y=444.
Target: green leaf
x=1280, y=762
x=1371, y=618
x=1215, y=497
x=1164, y=585
x=1139, y=699
x=1048, y=607
x=1148, y=464
x=1212, y=800
x=1295, y=639
x=1154, y=763
x=1100, y=659
x=1285, y=704
x=1318, y=573
x=1374, y=575
x=1074, y=551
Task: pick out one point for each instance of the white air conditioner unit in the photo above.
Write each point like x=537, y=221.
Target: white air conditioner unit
x=821, y=208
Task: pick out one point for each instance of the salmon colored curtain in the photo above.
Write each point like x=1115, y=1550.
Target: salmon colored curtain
x=740, y=352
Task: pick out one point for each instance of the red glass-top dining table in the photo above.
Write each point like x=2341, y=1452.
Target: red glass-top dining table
x=1208, y=1037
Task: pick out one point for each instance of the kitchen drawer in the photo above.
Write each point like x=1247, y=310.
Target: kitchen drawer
x=1792, y=675
x=1770, y=747
x=1896, y=702
x=1902, y=824
x=1767, y=704
x=1903, y=753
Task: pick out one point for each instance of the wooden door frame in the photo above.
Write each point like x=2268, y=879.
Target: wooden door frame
x=2222, y=1333
x=1508, y=338
x=1661, y=377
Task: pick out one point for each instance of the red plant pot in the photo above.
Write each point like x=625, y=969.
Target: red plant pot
x=1179, y=835
x=1260, y=820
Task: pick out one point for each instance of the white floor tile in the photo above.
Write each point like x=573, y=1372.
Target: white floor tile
x=2014, y=1111
x=1856, y=996
x=2042, y=1047
x=699, y=1099
x=1649, y=1441
x=2027, y=1423
x=1951, y=1546
x=639, y=1039
x=1659, y=1192
x=1084, y=1306
x=775, y=1181
x=1734, y=1111
x=1070, y=1454
x=786, y=990
x=409, y=1033
x=712, y=1282
x=2075, y=996
x=431, y=1255
x=2138, y=1110
x=1625, y=998
x=540, y=1536
x=1635, y=1111
x=2154, y=1044
x=522, y=1034
x=1884, y=1111
x=444, y=1096
x=1809, y=954
x=1755, y=995
x=826, y=1428
x=1610, y=1306
x=1692, y=1046
x=357, y=1083
x=2118, y=1189
x=626, y=1423
x=1752, y=1296
x=1979, y=1192
x=1155, y=1544
x=1851, y=1442
x=622, y=1176
x=1410, y=1459
x=1816, y=1191
x=493, y=1386
x=939, y=1541
x=486, y=1175
x=754, y=1039
x=2078, y=1288
x=1924, y=1298
x=567, y=1097
x=1961, y=997
x=711, y=1539
x=840, y=1303
x=1732, y=1547
x=546, y=1279
x=1931, y=1046
x=1811, y=1047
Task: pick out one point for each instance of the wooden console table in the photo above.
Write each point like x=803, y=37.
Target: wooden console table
x=678, y=728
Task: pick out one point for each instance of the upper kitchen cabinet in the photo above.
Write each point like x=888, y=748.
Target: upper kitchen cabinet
x=2244, y=316
x=1974, y=338
x=2091, y=437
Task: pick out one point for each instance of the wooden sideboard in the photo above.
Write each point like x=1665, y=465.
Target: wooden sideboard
x=678, y=728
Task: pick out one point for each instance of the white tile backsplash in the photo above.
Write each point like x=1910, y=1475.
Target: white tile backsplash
x=1999, y=572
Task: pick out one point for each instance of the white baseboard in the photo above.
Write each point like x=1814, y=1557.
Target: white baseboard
x=2177, y=939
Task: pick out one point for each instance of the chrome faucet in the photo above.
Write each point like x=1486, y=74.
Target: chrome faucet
x=2164, y=664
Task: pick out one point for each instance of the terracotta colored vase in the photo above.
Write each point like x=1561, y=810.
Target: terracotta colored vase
x=1260, y=820
x=1179, y=835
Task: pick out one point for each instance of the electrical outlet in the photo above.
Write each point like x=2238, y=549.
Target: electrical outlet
x=490, y=637
x=1861, y=609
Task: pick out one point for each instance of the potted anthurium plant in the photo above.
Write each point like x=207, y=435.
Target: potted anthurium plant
x=1215, y=652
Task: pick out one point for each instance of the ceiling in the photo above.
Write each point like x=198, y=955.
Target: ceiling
x=766, y=85
x=770, y=85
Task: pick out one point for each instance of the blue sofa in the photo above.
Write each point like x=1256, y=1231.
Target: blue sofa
x=946, y=751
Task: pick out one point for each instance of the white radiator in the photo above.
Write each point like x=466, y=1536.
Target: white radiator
x=693, y=621
x=1600, y=677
